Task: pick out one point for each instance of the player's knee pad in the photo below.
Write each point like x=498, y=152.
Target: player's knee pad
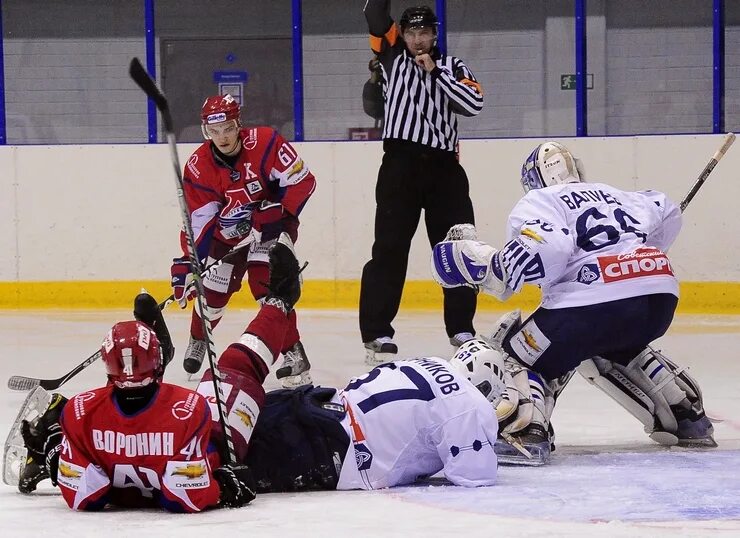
x=653, y=389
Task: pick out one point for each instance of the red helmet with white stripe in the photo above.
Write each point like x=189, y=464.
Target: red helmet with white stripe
x=131, y=355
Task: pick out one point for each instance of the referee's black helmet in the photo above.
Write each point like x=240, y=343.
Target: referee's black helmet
x=418, y=16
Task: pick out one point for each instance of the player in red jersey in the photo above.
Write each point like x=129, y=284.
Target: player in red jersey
x=238, y=180
x=139, y=442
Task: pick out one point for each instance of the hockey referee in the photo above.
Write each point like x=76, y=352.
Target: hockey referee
x=423, y=89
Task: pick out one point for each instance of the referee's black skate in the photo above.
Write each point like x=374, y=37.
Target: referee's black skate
x=380, y=350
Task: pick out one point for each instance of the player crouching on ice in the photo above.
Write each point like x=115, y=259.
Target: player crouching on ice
x=146, y=443
x=608, y=291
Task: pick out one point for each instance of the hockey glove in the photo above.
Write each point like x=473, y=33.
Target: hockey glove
x=237, y=485
x=469, y=263
x=182, y=277
x=267, y=219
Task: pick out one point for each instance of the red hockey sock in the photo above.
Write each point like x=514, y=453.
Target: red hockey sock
x=291, y=334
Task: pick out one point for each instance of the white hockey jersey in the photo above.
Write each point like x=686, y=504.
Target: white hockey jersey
x=589, y=243
x=413, y=418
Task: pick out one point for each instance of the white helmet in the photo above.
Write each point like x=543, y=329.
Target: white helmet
x=483, y=366
x=550, y=164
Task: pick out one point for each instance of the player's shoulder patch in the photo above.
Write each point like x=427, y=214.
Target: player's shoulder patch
x=184, y=401
x=83, y=404
x=259, y=136
x=199, y=161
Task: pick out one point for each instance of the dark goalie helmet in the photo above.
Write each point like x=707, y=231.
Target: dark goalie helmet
x=418, y=17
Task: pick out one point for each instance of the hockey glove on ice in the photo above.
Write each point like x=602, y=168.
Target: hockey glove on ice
x=237, y=485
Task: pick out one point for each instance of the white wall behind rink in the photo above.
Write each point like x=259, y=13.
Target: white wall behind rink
x=109, y=212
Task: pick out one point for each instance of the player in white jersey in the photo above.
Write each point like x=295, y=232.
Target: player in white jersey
x=401, y=421
x=412, y=418
x=608, y=289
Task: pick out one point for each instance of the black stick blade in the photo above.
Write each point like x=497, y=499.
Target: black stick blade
x=146, y=83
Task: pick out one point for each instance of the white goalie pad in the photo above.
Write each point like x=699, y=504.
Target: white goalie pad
x=15, y=453
x=648, y=388
x=527, y=403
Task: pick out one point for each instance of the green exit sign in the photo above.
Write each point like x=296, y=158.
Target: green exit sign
x=568, y=82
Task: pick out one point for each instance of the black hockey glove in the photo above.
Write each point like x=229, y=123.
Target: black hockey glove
x=237, y=485
x=42, y=438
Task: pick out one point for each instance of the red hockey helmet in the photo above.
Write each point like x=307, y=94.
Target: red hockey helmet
x=131, y=355
x=219, y=108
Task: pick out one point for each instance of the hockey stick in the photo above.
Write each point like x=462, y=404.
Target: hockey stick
x=726, y=143
x=20, y=382
x=146, y=83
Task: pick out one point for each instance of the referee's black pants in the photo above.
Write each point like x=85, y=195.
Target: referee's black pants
x=410, y=179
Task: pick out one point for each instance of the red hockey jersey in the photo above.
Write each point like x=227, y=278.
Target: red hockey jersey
x=221, y=197
x=157, y=457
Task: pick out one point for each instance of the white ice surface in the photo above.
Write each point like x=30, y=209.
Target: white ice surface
x=606, y=478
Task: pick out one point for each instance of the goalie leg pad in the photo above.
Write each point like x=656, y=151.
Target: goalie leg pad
x=524, y=418
x=661, y=396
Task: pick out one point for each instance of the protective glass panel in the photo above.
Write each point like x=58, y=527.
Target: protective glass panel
x=66, y=71
x=241, y=47
x=732, y=66
x=520, y=51
x=657, y=59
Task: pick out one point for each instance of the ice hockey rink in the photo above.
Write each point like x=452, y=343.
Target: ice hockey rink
x=606, y=477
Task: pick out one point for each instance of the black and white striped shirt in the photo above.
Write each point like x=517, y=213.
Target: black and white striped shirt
x=421, y=107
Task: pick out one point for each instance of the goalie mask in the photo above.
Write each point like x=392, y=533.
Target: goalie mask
x=483, y=366
x=131, y=355
x=550, y=164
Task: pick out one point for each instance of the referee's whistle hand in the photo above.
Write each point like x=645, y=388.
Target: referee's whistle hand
x=425, y=61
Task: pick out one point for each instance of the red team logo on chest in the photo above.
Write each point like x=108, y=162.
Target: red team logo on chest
x=636, y=264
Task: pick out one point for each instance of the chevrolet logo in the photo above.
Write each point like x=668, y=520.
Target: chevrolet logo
x=297, y=167
x=244, y=416
x=67, y=472
x=530, y=341
x=190, y=471
x=531, y=233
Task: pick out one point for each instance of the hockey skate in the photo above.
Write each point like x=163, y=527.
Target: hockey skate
x=380, y=350
x=529, y=447
x=695, y=430
x=194, y=355
x=460, y=338
x=293, y=372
